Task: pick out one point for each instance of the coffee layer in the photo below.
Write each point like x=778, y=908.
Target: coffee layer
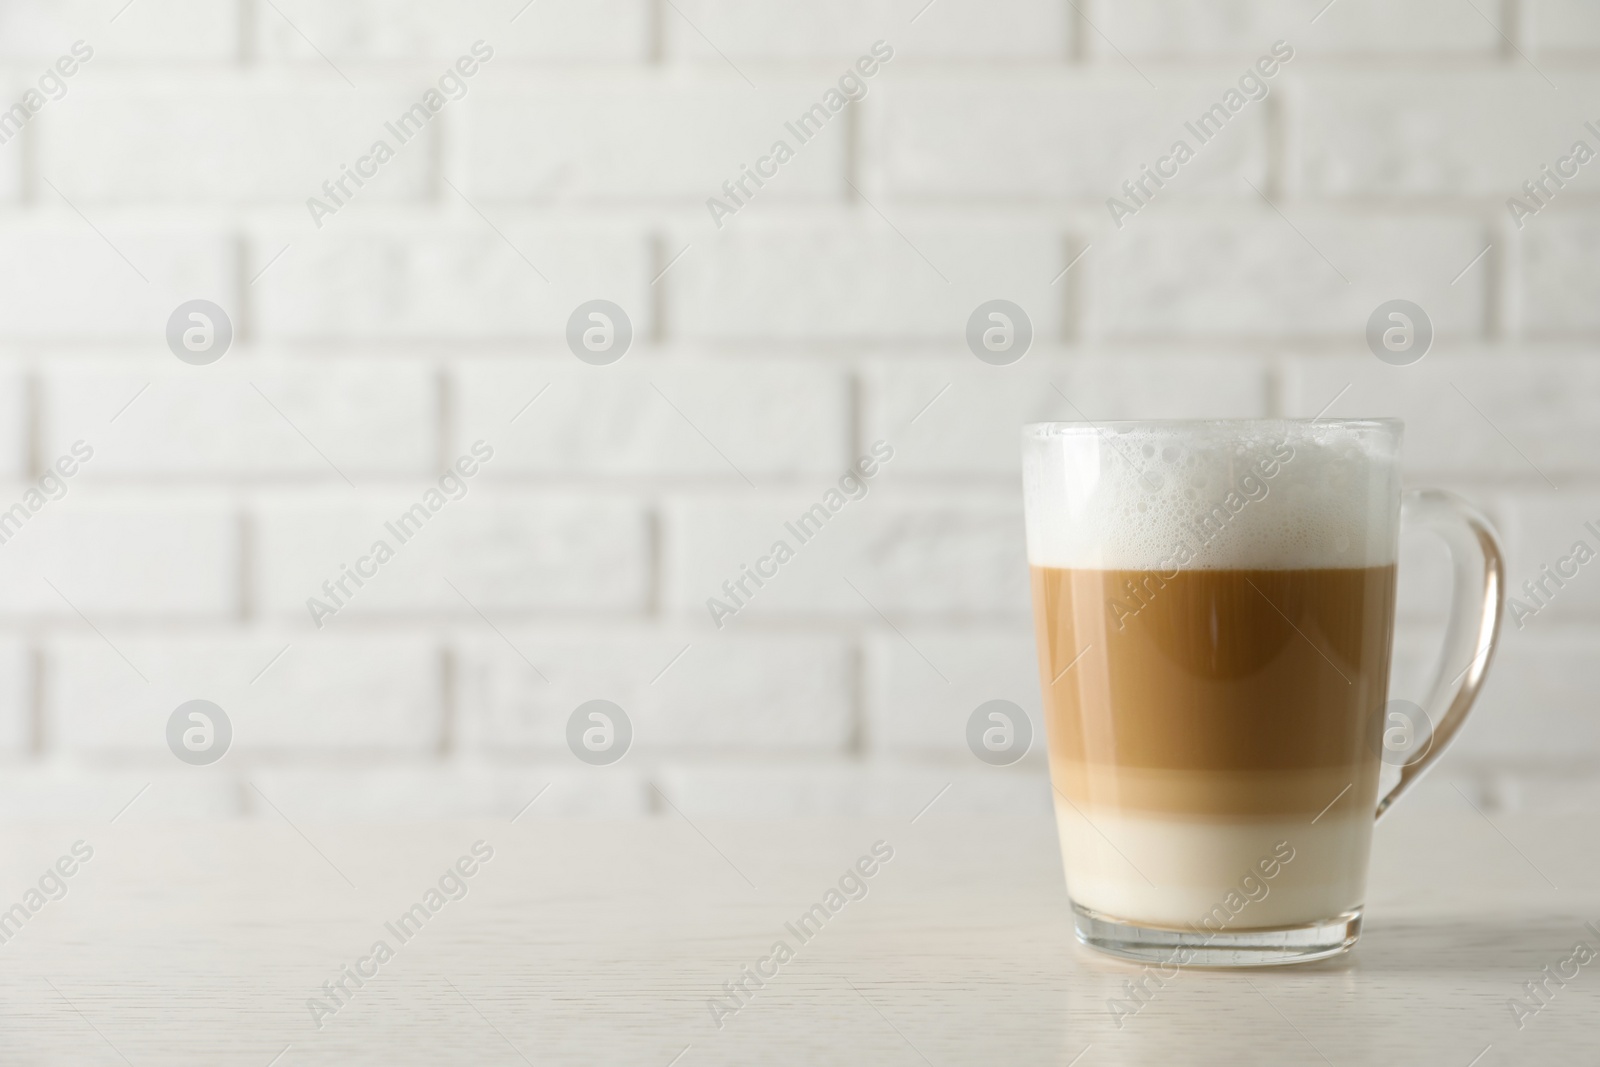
x=1223, y=669
x=1217, y=795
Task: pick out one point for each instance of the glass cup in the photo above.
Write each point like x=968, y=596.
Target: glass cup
x=1214, y=608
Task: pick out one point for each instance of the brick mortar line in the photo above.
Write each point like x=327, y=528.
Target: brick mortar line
x=1493, y=56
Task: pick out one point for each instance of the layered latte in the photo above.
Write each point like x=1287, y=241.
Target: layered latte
x=1214, y=620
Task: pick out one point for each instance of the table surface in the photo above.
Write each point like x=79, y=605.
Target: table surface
x=608, y=942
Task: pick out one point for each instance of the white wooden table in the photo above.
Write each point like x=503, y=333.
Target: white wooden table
x=602, y=943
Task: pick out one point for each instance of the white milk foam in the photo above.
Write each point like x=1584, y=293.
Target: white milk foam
x=1197, y=495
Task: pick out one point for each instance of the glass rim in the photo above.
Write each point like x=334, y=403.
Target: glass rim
x=1079, y=426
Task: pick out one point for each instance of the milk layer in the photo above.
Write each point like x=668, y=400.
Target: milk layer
x=1208, y=873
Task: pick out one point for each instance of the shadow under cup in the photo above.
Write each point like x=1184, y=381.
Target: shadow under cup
x=1214, y=608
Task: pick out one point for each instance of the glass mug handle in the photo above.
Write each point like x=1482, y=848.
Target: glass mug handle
x=1476, y=607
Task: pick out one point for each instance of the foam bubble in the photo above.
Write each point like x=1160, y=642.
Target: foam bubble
x=1198, y=495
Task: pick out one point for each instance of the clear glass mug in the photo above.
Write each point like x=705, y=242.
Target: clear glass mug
x=1214, y=609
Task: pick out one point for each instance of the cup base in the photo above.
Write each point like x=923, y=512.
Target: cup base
x=1265, y=947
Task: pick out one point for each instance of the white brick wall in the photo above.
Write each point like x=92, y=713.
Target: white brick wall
x=376, y=417
x=236, y=140
x=1171, y=29
x=936, y=136
x=772, y=417
x=904, y=553
x=368, y=31
x=843, y=29
x=1249, y=274
x=847, y=273
x=450, y=277
x=1556, y=27
x=1470, y=413
x=123, y=554
x=716, y=697
x=1381, y=133
x=429, y=313
x=510, y=553
x=175, y=31
x=639, y=137
x=63, y=280
x=972, y=428
x=1557, y=251
x=915, y=712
